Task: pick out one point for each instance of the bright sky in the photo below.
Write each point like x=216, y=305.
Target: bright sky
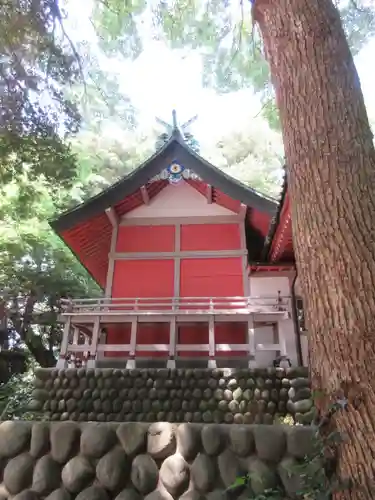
x=179, y=86
x=160, y=80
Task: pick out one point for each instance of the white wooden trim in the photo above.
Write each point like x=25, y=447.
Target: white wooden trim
x=281, y=338
x=211, y=336
x=75, y=335
x=245, y=275
x=209, y=193
x=133, y=337
x=192, y=347
x=192, y=254
x=177, y=261
x=251, y=336
x=243, y=211
x=272, y=274
x=268, y=347
x=111, y=263
x=102, y=341
x=93, y=348
x=61, y=363
x=180, y=318
x=102, y=348
x=171, y=221
x=112, y=216
x=153, y=347
x=172, y=337
x=145, y=196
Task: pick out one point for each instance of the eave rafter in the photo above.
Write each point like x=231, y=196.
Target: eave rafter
x=209, y=193
x=243, y=211
x=145, y=195
x=112, y=216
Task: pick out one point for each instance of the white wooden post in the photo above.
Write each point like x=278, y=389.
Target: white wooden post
x=61, y=363
x=93, y=348
x=280, y=326
x=211, y=342
x=171, y=363
x=102, y=341
x=133, y=344
x=75, y=341
x=251, y=342
x=86, y=343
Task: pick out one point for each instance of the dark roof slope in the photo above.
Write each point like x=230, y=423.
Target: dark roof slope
x=276, y=218
x=174, y=150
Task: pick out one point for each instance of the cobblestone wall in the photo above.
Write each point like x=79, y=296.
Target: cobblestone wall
x=180, y=395
x=159, y=461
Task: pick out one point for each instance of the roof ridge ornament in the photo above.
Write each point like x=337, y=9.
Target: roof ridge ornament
x=177, y=131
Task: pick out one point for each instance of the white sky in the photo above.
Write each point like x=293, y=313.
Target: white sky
x=156, y=91
x=160, y=80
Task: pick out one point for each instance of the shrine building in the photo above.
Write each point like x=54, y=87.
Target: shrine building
x=196, y=268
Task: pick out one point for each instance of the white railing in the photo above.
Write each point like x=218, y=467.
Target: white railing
x=175, y=305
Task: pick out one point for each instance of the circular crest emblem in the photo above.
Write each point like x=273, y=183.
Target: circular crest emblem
x=175, y=169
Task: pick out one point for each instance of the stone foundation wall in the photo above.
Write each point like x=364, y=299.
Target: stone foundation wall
x=179, y=395
x=159, y=461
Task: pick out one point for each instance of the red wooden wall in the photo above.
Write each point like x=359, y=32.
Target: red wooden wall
x=143, y=278
x=210, y=237
x=199, y=277
x=145, y=239
x=219, y=277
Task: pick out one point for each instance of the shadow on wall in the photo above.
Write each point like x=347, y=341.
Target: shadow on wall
x=129, y=461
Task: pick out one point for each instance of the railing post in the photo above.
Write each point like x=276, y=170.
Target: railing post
x=133, y=344
x=211, y=342
x=171, y=363
x=282, y=342
x=102, y=341
x=86, y=353
x=61, y=363
x=93, y=348
x=251, y=342
x=75, y=341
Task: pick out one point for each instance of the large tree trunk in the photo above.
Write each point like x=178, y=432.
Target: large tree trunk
x=331, y=173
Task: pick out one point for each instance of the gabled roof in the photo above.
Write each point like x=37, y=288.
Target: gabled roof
x=280, y=230
x=174, y=150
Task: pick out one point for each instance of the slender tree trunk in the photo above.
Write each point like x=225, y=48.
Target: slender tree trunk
x=331, y=173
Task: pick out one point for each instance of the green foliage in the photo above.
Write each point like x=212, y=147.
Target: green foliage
x=221, y=32
x=117, y=26
x=36, y=58
x=253, y=155
x=15, y=396
x=316, y=472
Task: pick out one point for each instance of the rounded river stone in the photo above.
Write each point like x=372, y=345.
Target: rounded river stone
x=77, y=474
x=144, y=474
x=96, y=440
x=241, y=440
x=64, y=441
x=93, y=493
x=112, y=470
x=212, y=439
x=18, y=473
x=47, y=475
x=14, y=438
x=188, y=441
x=161, y=440
x=174, y=475
x=203, y=473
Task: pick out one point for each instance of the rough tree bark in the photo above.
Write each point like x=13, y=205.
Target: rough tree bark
x=331, y=174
